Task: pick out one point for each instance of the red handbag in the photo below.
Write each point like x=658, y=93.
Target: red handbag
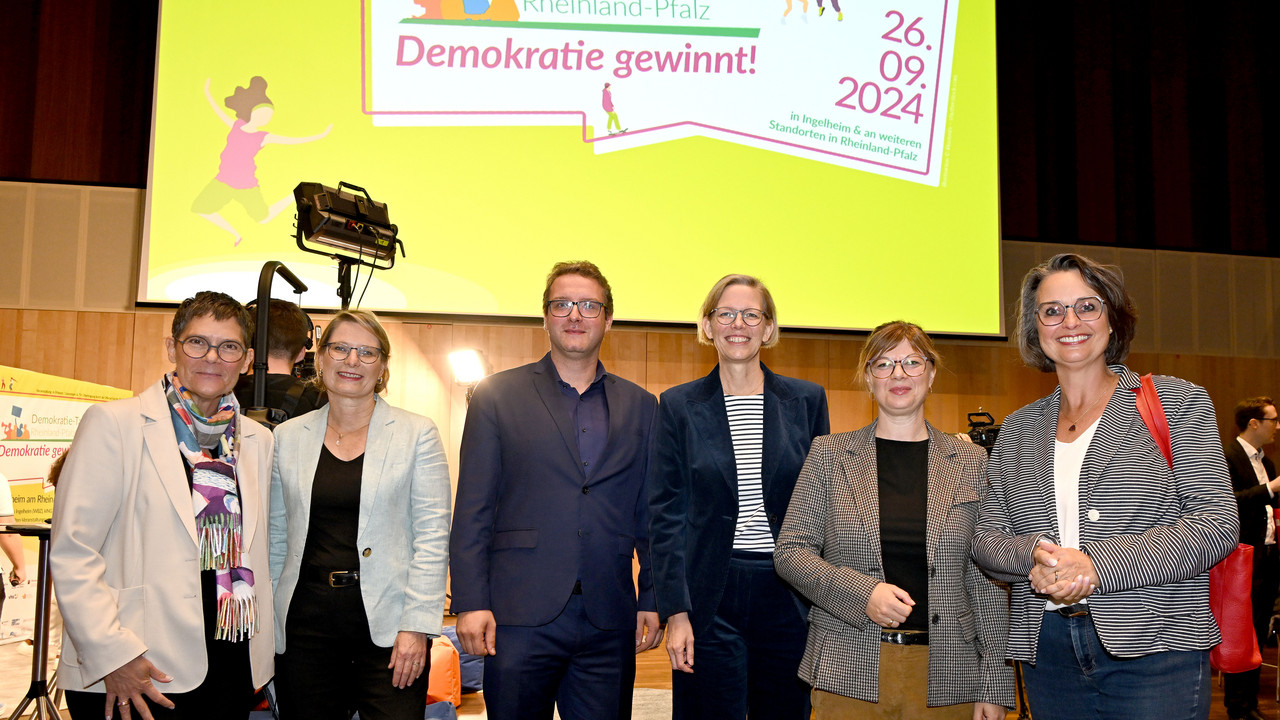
x=1230, y=581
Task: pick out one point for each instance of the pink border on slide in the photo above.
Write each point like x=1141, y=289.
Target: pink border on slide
x=582, y=116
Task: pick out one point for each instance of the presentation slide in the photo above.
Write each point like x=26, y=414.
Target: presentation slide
x=846, y=153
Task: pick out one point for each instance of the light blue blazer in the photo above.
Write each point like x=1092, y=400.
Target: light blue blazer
x=403, y=531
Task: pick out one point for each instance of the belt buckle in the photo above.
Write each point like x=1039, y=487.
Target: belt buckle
x=1076, y=610
x=343, y=578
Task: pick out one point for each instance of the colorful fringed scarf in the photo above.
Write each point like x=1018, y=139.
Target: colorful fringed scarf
x=210, y=447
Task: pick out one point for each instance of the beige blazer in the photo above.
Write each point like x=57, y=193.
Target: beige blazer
x=124, y=555
x=403, y=528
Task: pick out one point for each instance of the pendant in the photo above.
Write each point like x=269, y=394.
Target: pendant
x=1070, y=429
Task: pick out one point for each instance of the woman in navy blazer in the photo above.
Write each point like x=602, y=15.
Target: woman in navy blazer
x=727, y=451
x=359, y=534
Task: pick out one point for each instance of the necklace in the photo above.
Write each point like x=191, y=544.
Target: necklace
x=341, y=434
x=1092, y=405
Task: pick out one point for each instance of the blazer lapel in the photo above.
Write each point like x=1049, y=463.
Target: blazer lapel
x=161, y=445
x=1116, y=426
x=707, y=413
x=1044, y=431
x=306, y=457
x=780, y=415
x=944, y=483
x=377, y=446
x=544, y=382
x=859, y=468
x=247, y=477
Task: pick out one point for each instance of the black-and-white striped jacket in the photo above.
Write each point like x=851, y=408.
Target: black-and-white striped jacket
x=1151, y=532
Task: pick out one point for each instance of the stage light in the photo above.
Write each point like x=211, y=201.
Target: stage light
x=469, y=368
x=352, y=229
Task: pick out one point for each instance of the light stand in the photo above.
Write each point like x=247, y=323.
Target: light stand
x=337, y=220
x=260, y=412
x=38, y=692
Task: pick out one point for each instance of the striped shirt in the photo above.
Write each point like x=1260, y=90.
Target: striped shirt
x=746, y=429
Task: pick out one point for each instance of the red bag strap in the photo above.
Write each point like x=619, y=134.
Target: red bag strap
x=1153, y=416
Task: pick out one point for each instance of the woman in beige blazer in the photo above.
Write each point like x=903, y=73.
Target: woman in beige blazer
x=359, y=539
x=877, y=537
x=159, y=543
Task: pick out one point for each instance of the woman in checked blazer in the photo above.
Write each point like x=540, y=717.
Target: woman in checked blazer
x=877, y=536
x=1106, y=547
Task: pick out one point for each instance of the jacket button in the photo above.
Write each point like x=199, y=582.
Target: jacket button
x=773, y=518
x=367, y=552
x=579, y=533
x=936, y=619
x=586, y=490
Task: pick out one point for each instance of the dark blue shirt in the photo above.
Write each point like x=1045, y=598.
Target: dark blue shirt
x=589, y=412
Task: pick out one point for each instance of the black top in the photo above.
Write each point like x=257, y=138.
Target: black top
x=335, y=514
x=903, y=469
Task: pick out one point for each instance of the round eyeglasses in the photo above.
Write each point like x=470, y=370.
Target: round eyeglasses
x=586, y=308
x=1087, y=309
x=341, y=351
x=912, y=366
x=198, y=346
x=751, y=317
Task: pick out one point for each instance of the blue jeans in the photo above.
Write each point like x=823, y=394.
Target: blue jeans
x=1074, y=677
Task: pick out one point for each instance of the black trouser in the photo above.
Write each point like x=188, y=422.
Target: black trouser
x=746, y=660
x=331, y=666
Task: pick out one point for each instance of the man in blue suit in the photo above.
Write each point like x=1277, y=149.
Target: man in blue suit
x=550, y=509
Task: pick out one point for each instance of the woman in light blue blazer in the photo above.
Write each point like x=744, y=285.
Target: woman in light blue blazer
x=359, y=538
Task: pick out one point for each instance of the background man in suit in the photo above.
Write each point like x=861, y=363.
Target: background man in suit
x=550, y=508
x=1253, y=478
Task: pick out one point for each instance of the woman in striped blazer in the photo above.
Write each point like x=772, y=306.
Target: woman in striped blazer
x=1107, y=548
x=904, y=625
x=727, y=451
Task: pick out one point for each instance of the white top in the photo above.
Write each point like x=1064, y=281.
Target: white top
x=1255, y=459
x=1068, y=458
x=746, y=429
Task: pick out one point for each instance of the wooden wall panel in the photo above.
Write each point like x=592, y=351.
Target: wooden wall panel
x=47, y=342
x=149, y=360
x=127, y=350
x=97, y=350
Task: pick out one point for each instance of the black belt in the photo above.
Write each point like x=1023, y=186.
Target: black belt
x=1073, y=611
x=905, y=637
x=335, y=578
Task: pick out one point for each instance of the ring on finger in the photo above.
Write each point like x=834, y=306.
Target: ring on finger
x=122, y=703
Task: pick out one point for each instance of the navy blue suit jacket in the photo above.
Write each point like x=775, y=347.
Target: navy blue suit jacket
x=693, y=484
x=529, y=522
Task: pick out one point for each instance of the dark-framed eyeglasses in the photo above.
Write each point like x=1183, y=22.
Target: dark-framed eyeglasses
x=1087, y=309
x=197, y=347
x=1268, y=419
x=912, y=366
x=751, y=317
x=586, y=308
x=341, y=351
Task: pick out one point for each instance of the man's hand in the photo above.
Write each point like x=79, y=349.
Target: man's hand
x=476, y=630
x=129, y=683
x=680, y=642
x=648, y=631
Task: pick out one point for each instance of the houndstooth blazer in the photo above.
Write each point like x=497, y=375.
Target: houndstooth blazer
x=1151, y=532
x=829, y=549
